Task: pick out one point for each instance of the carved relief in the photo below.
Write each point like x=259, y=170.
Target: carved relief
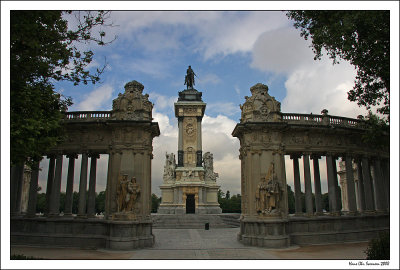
x=132, y=105
x=268, y=194
x=208, y=161
x=260, y=107
x=127, y=193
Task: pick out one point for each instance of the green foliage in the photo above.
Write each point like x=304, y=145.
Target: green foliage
x=361, y=37
x=378, y=131
x=291, y=200
x=44, y=50
x=229, y=204
x=155, y=202
x=100, y=202
x=379, y=249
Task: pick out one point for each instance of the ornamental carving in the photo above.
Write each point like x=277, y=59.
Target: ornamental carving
x=169, y=167
x=208, y=161
x=260, y=107
x=269, y=193
x=132, y=105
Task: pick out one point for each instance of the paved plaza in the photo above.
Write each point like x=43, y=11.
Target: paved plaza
x=189, y=244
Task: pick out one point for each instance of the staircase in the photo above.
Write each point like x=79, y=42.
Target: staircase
x=195, y=221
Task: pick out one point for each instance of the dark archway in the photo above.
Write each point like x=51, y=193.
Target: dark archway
x=190, y=204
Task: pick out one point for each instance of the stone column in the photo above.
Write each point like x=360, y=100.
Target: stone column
x=199, y=152
x=92, y=185
x=317, y=185
x=180, y=142
x=297, y=186
x=17, y=180
x=55, y=193
x=369, y=202
x=70, y=184
x=386, y=183
x=332, y=185
x=380, y=201
x=351, y=192
x=83, y=186
x=307, y=185
x=360, y=187
x=33, y=189
x=50, y=180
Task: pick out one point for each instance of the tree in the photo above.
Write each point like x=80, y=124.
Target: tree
x=360, y=37
x=228, y=195
x=100, y=202
x=43, y=51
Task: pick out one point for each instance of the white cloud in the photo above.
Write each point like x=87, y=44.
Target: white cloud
x=162, y=102
x=224, y=108
x=209, y=79
x=96, y=100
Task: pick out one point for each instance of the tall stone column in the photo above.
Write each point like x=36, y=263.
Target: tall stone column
x=33, y=189
x=55, y=193
x=307, y=185
x=317, y=185
x=351, y=192
x=83, y=186
x=180, y=141
x=50, y=180
x=297, y=186
x=386, y=183
x=199, y=152
x=360, y=187
x=380, y=201
x=332, y=185
x=17, y=179
x=70, y=184
x=92, y=185
x=369, y=202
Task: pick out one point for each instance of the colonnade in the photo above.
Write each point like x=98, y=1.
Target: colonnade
x=370, y=195
x=53, y=188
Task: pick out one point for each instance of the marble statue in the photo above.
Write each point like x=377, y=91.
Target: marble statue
x=127, y=193
x=209, y=173
x=169, y=167
x=268, y=193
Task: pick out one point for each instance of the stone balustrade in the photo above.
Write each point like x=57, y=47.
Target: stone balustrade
x=87, y=115
x=313, y=119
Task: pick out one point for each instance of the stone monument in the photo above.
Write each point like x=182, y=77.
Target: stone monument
x=189, y=186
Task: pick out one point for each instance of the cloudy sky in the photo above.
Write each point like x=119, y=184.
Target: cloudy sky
x=230, y=51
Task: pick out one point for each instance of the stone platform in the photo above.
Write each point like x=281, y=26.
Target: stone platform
x=195, y=221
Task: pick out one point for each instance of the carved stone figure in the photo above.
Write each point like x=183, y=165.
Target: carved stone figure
x=189, y=78
x=260, y=107
x=132, y=105
x=127, y=193
x=208, y=161
x=169, y=167
x=268, y=193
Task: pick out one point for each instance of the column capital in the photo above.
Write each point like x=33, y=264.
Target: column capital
x=315, y=156
x=72, y=155
x=295, y=156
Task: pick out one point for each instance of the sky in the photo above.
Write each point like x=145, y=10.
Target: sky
x=230, y=51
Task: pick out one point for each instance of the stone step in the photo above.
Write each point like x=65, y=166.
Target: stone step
x=195, y=221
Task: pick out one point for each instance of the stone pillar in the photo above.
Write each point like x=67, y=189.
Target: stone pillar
x=369, y=202
x=351, y=192
x=386, y=183
x=360, y=187
x=297, y=186
x=380, y=201
x=50, y=180
x=92, y=185
x=70, y=185
x=83, y=186
x=17, y=178
x=199, y=152
x=307, y=185
x=33, y=189
x=55, y=193
x=180, y=142
x=317, y=185
x=332, y=185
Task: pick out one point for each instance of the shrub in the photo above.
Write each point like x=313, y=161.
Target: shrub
x=379, y=249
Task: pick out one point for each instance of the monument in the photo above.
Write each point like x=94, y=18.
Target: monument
x=189, y=186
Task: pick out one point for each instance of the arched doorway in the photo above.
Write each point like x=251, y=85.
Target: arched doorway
x=190, y=204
